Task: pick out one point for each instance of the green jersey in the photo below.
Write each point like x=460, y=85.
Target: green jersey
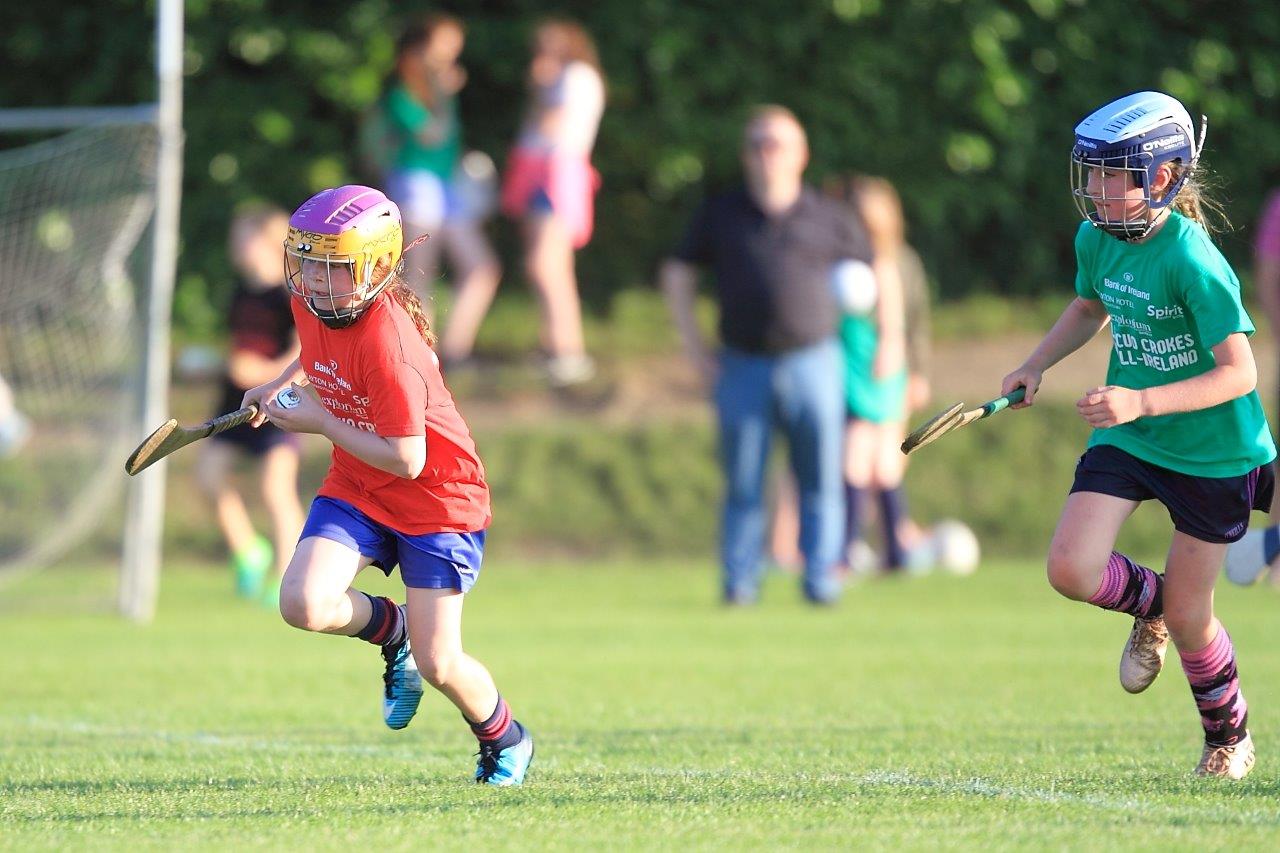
x=1172, y=298
x=407, y=117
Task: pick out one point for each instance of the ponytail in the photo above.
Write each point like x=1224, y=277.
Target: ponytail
x=1195, y=201
x=399, y=290
x=403, y=294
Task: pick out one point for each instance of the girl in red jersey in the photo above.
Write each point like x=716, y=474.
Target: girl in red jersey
x=405, y=485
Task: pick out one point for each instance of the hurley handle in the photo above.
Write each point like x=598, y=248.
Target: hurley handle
x=1001, y=403
x=231, y=420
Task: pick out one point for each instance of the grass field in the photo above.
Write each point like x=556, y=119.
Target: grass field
x=921, y=713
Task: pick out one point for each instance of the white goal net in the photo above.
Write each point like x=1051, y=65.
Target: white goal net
x=74, y=214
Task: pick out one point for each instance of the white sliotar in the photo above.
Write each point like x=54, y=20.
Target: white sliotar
x=288, y=399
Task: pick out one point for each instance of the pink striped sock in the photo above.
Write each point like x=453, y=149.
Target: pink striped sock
x=1114, y=580
x=1215, y=686
x=1127, y=587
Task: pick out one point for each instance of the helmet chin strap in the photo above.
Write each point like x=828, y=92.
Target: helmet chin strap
x=334, y=319
x=1131, y=230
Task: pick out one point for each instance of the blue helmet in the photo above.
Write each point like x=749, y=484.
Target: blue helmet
x=1135, y=134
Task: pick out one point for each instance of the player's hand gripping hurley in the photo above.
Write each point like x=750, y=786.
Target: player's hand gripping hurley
x=170, y=436
x=954, y=417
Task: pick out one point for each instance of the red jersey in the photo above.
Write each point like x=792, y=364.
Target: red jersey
x=379, y=375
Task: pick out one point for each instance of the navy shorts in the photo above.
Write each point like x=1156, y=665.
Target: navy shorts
x=1211, y=509
x=539, y=203
x=427, y=561
x=256, y=442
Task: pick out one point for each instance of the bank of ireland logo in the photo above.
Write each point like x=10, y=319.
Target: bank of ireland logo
x=1128, y=277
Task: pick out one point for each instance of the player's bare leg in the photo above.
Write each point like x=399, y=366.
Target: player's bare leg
x=435, y=626
x=316, y=595
x=1084, y=566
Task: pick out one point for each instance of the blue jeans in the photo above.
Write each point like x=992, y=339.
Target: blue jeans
x=801, y=392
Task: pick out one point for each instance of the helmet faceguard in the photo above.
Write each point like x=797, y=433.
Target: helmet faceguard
x=351, y=229
x=1133, y=136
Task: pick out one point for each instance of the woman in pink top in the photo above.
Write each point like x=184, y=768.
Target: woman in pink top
x=550, y=185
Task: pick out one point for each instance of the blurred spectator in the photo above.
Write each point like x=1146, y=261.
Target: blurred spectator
x=771, y=247
x=416, y=138
x=263, y=342
x=872, y=334
x=550, y=185
x=15, y=429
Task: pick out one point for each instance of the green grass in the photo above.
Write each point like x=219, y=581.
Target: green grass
x=921, y=713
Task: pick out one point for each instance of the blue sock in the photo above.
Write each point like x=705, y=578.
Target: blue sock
x=893, y=508
x=1271, y=544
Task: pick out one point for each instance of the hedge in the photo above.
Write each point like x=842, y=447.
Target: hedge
x=968, y=106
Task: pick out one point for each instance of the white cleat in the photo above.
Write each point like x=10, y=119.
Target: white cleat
x=1143, y=655
x=1247, y=559
x=1227, y=762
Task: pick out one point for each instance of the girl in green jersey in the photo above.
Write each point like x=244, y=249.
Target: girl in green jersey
x=1178, y=419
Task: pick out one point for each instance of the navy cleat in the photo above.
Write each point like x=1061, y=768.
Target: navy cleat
x=402, y=685
x=505, y=767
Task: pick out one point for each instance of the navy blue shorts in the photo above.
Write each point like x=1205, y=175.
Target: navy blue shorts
x=256, y=442
x=539, y=203
x=427, y=561
x=1211, y=509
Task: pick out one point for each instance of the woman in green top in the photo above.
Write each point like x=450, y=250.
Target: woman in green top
x=1178, y=420
x=421, y=142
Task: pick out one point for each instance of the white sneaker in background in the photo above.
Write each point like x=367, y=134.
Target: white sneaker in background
x=566, y=370
x=862, y=559
x=1247, y=559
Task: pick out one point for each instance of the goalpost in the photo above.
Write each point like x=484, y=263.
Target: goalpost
x=84, y=356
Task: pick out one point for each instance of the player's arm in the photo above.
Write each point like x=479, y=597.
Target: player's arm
x=404, y=456
x=1079, y=322
x=1233, y=375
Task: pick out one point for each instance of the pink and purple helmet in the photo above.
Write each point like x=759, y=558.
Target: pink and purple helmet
x=352, y=227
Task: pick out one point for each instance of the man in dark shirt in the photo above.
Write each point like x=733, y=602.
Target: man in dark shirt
x=771, y=247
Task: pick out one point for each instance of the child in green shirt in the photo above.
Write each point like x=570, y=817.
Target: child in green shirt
x=1178, y=419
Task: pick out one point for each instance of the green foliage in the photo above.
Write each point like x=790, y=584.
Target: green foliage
x=968, y=106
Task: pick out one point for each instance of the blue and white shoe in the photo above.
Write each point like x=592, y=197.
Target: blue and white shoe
x=402, y=685
x=505, y=767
